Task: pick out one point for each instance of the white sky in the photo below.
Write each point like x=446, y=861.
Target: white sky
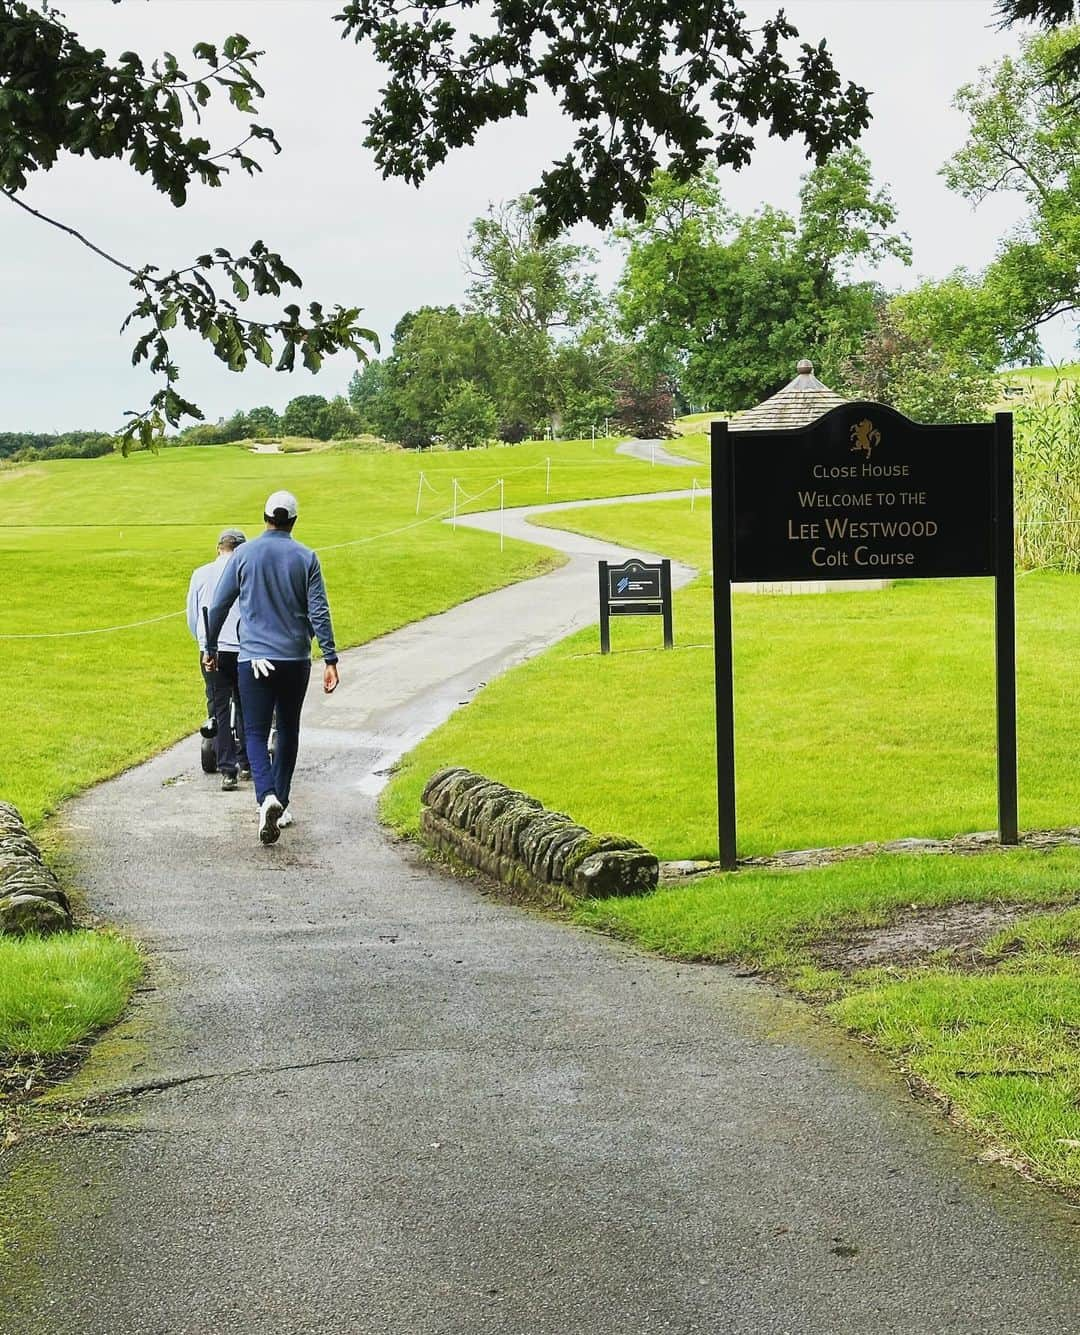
x=385, y=246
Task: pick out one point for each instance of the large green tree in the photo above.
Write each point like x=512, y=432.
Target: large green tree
x=728, y=305
x=435, y=349
x=545, y=310
x=468, y=418
x=302, y=415
x=1024, y=139
x=365, y=386
x=1047, y=14
x=902, y=362
x=263, y=421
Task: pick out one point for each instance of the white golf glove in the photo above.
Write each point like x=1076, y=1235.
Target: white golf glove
x=261, y=667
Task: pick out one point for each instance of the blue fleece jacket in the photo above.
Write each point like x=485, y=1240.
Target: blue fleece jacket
x=279, y=584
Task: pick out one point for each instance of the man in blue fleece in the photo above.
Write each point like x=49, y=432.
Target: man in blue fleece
x=282, y=598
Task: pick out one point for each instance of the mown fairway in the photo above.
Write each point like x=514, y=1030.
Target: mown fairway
x=102, y=543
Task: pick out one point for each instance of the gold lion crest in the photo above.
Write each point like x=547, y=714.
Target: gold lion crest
x=864, y=436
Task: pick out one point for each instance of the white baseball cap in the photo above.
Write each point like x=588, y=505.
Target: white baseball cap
x=281, y=500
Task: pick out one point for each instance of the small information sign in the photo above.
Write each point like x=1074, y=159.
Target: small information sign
x=635, y=589
x=634, y=580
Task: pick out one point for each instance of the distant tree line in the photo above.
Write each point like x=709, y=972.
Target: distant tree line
x=309, y=415
x=534, y=349
x=27, y=446
x=714, y=308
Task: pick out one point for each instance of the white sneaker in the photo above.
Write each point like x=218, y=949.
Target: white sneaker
x=270, y=813
x=285, y=819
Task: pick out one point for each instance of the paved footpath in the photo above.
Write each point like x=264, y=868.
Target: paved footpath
x=364, y=1098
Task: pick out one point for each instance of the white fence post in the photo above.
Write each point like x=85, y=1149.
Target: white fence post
x=502, y=509
x=454, y=520
x=547, y=486
x=419, y=490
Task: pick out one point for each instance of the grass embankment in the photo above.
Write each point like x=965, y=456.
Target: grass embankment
x=859, y=716
x=55, y=992
x=693, y=445
x=106, y=542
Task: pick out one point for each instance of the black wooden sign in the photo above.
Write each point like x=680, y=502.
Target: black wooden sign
x=635, y=589
x=863, y=493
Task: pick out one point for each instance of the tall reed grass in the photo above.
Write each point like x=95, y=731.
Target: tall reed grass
x=1047, y=442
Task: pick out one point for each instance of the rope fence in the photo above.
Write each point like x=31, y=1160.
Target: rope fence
x=98, y=630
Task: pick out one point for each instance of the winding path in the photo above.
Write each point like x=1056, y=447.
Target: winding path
x=364, y=1098
x=653, y=452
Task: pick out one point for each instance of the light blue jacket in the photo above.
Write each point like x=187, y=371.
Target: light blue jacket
x=278, y=585
x=201, y=589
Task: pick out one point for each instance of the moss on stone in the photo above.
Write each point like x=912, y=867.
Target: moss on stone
x=512, y=838
x=434, y=785
x=596, y=843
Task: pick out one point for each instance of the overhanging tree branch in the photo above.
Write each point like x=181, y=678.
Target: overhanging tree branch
x=71, y=231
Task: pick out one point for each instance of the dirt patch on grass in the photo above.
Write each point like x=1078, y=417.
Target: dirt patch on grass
x=24, y=1078
x=962, y=929
x=795, y=859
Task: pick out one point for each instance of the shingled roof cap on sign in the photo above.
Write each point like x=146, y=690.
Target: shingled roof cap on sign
x=801, y=401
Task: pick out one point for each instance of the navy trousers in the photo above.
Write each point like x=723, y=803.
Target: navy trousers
x=283, y=690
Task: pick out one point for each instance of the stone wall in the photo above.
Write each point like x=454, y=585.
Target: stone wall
x=30, y=896
x=511, y=837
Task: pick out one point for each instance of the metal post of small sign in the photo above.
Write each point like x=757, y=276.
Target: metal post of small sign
x=665, y=594
x=1005, y=628
x=605, y=613
x=722, y=640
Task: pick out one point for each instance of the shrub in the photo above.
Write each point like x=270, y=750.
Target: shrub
x=1048, y=481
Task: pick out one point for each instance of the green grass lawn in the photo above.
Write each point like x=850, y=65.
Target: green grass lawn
x=692, y=445
x=106, y=542
x=1041, y=376
x=56, y=990
x=859, y=716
